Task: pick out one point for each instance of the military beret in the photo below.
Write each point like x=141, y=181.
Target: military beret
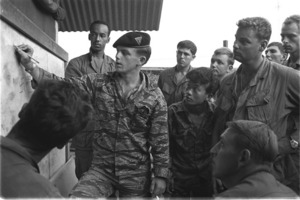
x=133, y=39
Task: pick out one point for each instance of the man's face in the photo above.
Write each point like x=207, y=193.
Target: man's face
x=99, y=37
x=225, y=156
x=274, y=54
x=246, y=46
x=127, y=60
x=219, y=64
x=184, y=57
x=290, y=37
x=195, y=94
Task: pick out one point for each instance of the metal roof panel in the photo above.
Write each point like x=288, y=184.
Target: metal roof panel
x=121, y=15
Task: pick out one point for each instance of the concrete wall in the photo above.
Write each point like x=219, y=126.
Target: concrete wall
x=16, y=89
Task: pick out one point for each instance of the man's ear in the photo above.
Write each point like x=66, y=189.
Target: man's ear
x=108, y=39
x=245, y=157
x=263, y=45
x=284, y=56
x=142, y=60
x=194, y=56
x=230, y=67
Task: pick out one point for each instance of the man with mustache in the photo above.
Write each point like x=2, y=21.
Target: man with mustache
x=172, y=82
x=263, y=91
x=93, y=62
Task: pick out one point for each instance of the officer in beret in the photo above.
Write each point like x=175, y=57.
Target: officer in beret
x=131, y=124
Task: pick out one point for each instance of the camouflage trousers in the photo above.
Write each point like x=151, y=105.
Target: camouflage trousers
x=97, y=183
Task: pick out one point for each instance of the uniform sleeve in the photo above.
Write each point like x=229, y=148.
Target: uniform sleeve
x=171, y=129
x=73, y=69
x=160, y=82
x=292, y=103
x=159, y=139
x=84, y=83
x=293, y=89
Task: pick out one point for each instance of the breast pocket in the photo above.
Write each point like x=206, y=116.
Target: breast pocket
x=259, y=107
x=140, y=118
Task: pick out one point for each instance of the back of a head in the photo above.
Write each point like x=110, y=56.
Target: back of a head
x=277, y=44
x=56, y=112
x=187, y=44
x=204, y=76
x=258, y=138
x=260, y=25
x=225, y=51
x=293, y=19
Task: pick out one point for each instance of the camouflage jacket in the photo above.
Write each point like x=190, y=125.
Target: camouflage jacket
x=127, y=130
x=80, y=66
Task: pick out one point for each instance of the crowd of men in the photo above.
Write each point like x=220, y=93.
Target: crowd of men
x=202, y=132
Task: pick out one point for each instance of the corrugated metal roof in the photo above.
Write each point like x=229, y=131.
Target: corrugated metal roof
x=121, y=15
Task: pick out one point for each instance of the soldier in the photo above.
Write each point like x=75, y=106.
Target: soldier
x=93, y=62
x=275, y=52
x=290, y=37
x=263, y=91
x=130, y=120
x=172, y=82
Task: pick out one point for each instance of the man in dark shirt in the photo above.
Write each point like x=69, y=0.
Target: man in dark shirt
x=190, y=125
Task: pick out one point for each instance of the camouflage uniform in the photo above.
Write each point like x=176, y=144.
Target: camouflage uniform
x=82, y=142
x=125, y=131
x=173, y=91
x=190, y=144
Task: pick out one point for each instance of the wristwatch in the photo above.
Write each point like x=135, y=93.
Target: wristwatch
x=294, y=143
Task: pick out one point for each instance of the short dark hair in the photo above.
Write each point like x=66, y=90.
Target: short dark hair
x=293, y=19
x=279, y=45
x=225, y=51
x=260, y=25
x=188, y=45
x=144, y=51
x=56, y=112
x=100, y=22
x=256, y=137
x=204, y=76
